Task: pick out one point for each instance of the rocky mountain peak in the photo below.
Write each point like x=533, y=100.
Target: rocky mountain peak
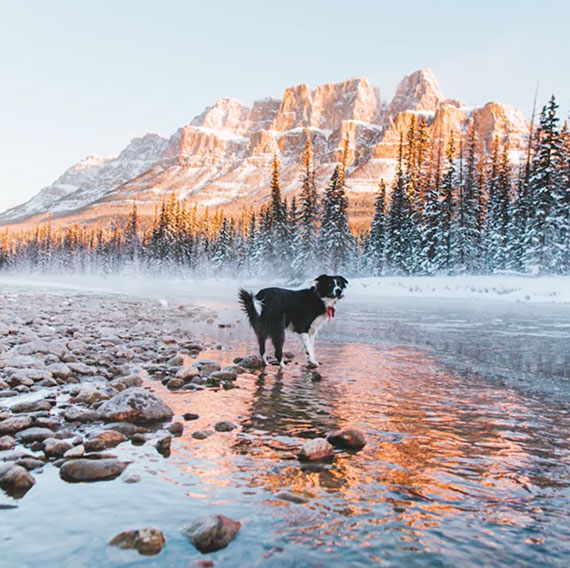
x=225, y=114
x=418, y=91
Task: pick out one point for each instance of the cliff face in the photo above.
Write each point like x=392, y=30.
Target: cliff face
x=223, y=157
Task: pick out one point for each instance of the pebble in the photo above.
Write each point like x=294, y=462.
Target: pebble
x=79, y=414
x=176, y=428
x=163, y=446
x=349, y=438
x=15, y=480
x=7, y=443
x=317, y=449
x=202, y=434
x=211, y=533
x=224, y=426
x=148, y=541
x=56, y=448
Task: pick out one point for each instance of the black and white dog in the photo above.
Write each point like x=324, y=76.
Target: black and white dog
x=273, y=310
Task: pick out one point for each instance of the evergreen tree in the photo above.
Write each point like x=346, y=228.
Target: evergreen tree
x=306, y=242
x=399, y=244
x=373, y=248
x=541, y=228
x=335, y=240
x=448, y=205
x=499, y=210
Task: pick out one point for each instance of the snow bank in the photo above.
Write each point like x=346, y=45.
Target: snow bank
x=505, y=288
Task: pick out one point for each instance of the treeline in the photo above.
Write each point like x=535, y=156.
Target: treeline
x=454, y=207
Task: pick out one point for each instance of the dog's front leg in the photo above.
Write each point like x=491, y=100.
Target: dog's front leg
x=308, y=344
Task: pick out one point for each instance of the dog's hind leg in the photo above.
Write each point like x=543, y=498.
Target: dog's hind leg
x=261, y=341
x=278, y=339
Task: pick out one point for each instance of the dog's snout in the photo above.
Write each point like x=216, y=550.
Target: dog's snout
x=338, y=292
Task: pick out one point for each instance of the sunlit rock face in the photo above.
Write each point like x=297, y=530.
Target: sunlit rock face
x=223, y=157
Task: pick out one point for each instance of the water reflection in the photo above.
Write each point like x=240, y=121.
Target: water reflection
x=453, y=467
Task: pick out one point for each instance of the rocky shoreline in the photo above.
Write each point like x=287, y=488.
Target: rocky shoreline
x=76, y=381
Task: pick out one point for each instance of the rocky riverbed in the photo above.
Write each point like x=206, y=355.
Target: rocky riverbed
x=83, y=384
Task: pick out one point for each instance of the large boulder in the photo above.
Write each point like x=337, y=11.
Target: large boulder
x=211, y=533
x=91, y=470
x=135, y=405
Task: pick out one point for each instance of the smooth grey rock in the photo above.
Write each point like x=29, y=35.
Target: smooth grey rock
x=15, y=480
x=75, y=452
x=206, y=366
x=224, y=426
x=59, y=370
x=15, y=424
x=79, y=414
x=55, y=448
x=33, y=435
x=135, y=405
x=84, y=470
x=187, y=373
x=123, y=383
x=349, y=438
x=211, y=533
x=316, y=450
x=202, y=434
x=34, y=406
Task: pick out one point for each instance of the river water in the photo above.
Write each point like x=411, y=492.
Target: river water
x=465, y=407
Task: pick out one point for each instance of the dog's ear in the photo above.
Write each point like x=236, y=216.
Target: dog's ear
x=318, y=280
x=343, y=281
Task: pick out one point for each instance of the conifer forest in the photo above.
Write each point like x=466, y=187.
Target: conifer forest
x=454, y=206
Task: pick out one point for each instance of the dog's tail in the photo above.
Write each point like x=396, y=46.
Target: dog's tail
x=247, y=305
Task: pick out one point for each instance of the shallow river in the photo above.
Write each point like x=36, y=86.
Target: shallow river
x=466, y=411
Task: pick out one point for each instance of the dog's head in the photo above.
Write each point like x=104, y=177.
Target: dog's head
x=330, y=286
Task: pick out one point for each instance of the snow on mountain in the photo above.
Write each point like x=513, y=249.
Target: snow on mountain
x=224, y=155
x=79, y=175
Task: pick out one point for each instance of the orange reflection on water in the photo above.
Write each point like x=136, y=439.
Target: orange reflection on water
x=438, y=446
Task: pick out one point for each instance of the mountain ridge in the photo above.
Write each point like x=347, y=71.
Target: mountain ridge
x=223, y=156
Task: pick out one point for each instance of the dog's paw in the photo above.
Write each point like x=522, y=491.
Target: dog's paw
x=312, y=364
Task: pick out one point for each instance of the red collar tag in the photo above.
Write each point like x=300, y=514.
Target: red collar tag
x=330, y=312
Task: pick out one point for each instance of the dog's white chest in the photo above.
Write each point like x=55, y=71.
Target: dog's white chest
x=318, y=322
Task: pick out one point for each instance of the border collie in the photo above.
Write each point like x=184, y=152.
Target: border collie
x=273, y=310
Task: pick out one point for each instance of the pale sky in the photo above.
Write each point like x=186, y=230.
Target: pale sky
x=84, y=77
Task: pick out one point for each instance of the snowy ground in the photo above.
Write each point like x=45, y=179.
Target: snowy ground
x=503, y=288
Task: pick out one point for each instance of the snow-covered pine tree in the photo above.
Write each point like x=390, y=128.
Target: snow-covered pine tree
x=223, y=249
x=264, y=251
x=306, y=243
x=336, y=243
x=399, y=226
x=541, y=227
x=468, y=241
x=563, y=203
x=448, y=205
x=499, y=210
x=278, y=219
x=373, y=247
